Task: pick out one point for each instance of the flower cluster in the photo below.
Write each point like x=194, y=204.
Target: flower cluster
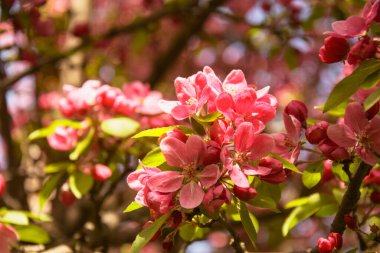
x=217, y=161
x=336, y=47
x=333, y=241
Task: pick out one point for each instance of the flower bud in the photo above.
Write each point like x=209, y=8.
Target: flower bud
x=336, y=239
x=175, y=133
x=363, y=49
x=101, y=172
x=81, y=29
x=156, y=235
x=298, y=110
x=350, y=221
x=325, y=246
x=67, y=198
x=375, y=197
x=318, y=132
x=244, y=193
x=334, y=49
x=2, y=185
x=327, y=171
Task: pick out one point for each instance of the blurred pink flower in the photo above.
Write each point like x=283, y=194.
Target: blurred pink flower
x=63, y=139
x=8, y=236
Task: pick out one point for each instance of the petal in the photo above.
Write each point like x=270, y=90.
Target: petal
x=235, y=82
x=9, y=233
x=293, y=127
x=133, y=180
x=244, y=136
x=349, y=28
x=342, y=135
x=166, y=181
x=181, y=112
x=209, y=175
x=256, y=170
x=174, y=151
x=184, y=89
x=225, y=104
x=195, y=150
x=262, y=145
x=168, y=106
x=245, y=102
x=366, y=155
x=355, y=117
x=238, y=177
x=191, y=195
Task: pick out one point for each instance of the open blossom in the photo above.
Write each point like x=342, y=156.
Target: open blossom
x=249, y=146
x=63, y=138
x=189, y=157
x=8, y=236
x=357, y=133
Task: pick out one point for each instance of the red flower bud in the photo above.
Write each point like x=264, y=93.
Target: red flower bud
x=318, y=132
x=327, y=172
x=297, y=109
x=325, y=246
x=2, y=185
x=375, y=197
x=101, y=172
x=67, y=198
x=156, y=235
x=176, y=133
x=244, y=193
x=363, y=49
x=336, y=239
x=334, y=49
x=81, y=30
x=350, y=221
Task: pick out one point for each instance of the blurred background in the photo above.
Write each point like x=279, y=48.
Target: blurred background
x=47, y=43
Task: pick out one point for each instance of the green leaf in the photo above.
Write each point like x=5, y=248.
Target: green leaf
x=349, y=85
x=48, y=188
x=248, y=222
x=372, y=99
x=297, y=202
x=144, y=236
x=14, y=217
x=211, y=117
x=57, y=167
x=132, y=207
x=285, y=162
x=298, y=214
x=82, y=145
x=268, y=195
x=190, y=232
x=312, y=174
x=33, y=234
x=80, y=183
x=338, y=171
x=157, y=132
x=43, y=132
x=327, y=210
x=154, y=158
x=120, y=127
x=337, y=111
x=371, y=80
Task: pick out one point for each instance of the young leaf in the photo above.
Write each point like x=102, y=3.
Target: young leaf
x=312, y=174
x=82, y=145
x=372, y=99
x=211, y=117
x=157, y=132
x=48, y=187
x=57, y=167
x=268, y=195
x=297, y=202
x=297, y=215
x=248, y=220
x=132, y=207
x=286, y=163
x=33, y=234
x=338, y=171
x=120, y=127
x=14, y=217
x=154, y=158
x=144, y=236
x=80, y=183
x=349, y=85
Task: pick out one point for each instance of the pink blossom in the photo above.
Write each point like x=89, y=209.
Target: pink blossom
x=373, y=177
x=8, y=236
x=249, y=146
x=189, y=157
x=221, y=132
x=63, y=139
x=101, y=172
x=215, y=197
x=352, y=27
x=357, y=133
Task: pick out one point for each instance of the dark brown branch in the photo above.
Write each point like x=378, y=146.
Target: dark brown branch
x=139, y=23
x=167, y=59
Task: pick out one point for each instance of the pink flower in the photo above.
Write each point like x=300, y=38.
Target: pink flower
x=101, y=172
x=160, y=202
x=63, y=139
x=189, y=157
x=221, y=132
x=373, y=177
x=352, y=27
x=358, y=133
x=2, y=185
x=215, y=197
x=8, y=236
x=249, y=146
x=192, y=92
x=334, y=49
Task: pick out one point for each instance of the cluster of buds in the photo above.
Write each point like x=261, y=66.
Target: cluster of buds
x=210, y=167
x=336, y=47
x=333, y=241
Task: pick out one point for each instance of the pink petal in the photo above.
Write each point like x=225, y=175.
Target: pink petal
x=191, y=195
x=262, y=145
x=373, y=132
x=184, y=89
x=293, y=127
x=196, y=150
x=235, y=82
x=133, y=180
x=174, y=151
x=167, y=106
x=244, y=137
x=9, y=233
x=355, y=117
x=166, y=181
x=342, y=135
x=245, y=102
x=264, y=112
x=256, y=170
x=209, y=175
x=238, y=176
x=225, y=104
x=181, y=112
x=366, y=155
x=351, y=27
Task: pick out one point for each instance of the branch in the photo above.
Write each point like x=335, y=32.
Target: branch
x=166, y=60
x=170, y=9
